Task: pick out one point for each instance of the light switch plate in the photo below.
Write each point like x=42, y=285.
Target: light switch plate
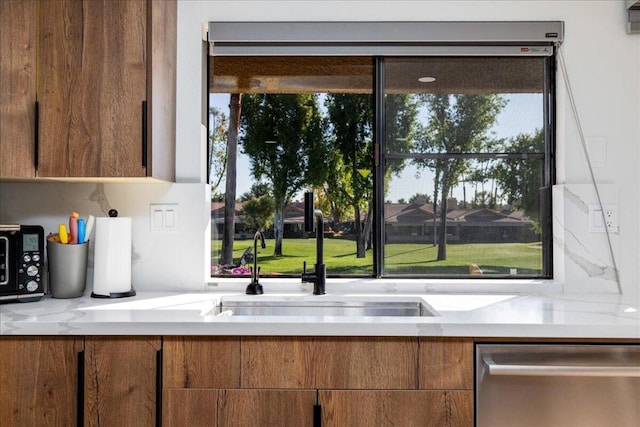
x=163, y=217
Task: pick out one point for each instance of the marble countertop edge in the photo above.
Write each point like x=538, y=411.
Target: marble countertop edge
x=457, y=315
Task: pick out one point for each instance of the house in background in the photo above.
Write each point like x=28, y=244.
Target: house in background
x=405, y=223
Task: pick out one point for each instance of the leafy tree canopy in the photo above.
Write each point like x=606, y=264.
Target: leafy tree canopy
x=283, y=136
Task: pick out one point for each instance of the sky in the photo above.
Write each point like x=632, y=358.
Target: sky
x=523, y=114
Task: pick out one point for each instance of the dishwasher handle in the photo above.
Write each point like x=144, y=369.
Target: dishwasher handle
x=559, y=370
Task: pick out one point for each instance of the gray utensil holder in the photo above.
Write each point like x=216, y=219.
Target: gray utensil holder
x=67, y=269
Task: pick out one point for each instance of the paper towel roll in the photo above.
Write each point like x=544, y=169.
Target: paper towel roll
x=112, y=256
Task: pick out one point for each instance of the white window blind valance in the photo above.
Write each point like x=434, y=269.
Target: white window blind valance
x=384, y=38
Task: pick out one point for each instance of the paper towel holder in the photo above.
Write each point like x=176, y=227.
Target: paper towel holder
x=113, y=213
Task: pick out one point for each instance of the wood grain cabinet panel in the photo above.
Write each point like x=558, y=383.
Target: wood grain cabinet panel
x=120, y=381
x=105, y=86
x=236, y=407
x=328, y=362
x=91, y=85
x=284, y=408
x=17, y=88
x=189, y=407
x=39, y=381
x=446, y=363
x=201, y=362
x=396, y=408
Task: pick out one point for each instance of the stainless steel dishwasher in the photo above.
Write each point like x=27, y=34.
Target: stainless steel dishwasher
x=525, y=385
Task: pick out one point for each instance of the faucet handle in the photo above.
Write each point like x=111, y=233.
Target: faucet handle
x=305, y=275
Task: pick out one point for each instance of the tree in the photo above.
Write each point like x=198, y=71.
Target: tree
x=258, y=213
x=217, y=148
x=283, y=136
x=521, y=179
x=456, y=124
x=351, y=179
x=235, y=108
x=479, y=173
x=350, y=184
x=420, y=198
x=258, y=189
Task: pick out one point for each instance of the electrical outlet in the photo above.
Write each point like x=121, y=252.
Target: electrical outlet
x=603, y=216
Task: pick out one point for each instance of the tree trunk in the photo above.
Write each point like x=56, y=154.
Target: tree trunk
x=235, y=108
x=367, y=227
x=442, y=235
x=278, y=226
x=360, y=237
x=435, y=207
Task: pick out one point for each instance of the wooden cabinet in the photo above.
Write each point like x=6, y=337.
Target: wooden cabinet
x=446, y=363
x=105, y=88
x=17, y=88
x=39, y=381
x=121, y=381
x=64, y=381
x=363, y=381
x=91, y=87
x=203, y=385
x=236, y=381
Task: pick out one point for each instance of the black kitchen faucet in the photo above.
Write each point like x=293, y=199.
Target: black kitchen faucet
x=319, y=276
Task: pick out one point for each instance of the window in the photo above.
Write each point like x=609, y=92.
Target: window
x=435, y=165
x=466, y=172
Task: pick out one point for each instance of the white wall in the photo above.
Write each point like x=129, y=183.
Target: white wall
x=603, y=64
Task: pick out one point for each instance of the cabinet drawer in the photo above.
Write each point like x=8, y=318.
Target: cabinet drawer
x=201, y=362
x=396, y=407
x=323, y=362
x=206, y=407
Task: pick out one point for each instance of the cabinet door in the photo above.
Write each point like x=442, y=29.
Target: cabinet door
x=446, y=363
x=17, y=88
x=396, y=408
x=206, y=407
x=121, y=381
x=91, y=86
x=39, y=381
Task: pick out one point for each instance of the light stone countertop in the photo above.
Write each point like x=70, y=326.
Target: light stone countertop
x=457, y=314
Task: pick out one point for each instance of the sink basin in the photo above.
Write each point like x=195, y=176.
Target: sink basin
x=320, y=307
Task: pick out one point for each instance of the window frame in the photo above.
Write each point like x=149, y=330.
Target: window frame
x=407, y=39
x=548, y=157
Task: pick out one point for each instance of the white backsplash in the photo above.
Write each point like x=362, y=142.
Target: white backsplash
x=179, y=260
x=160, y=260
x=583, y=261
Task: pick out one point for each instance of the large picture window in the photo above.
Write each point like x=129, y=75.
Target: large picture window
x=423, y=165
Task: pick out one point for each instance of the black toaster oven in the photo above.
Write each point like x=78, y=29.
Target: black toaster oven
x=21, y=262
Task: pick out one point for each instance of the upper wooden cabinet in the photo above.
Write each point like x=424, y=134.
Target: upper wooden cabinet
x=91, y=87
x=105, y=88
x=17, y=88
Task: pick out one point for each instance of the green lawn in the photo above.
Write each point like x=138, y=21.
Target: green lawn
x=401, y=258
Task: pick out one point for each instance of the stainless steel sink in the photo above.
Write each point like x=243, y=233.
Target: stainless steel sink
x=319, y=307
